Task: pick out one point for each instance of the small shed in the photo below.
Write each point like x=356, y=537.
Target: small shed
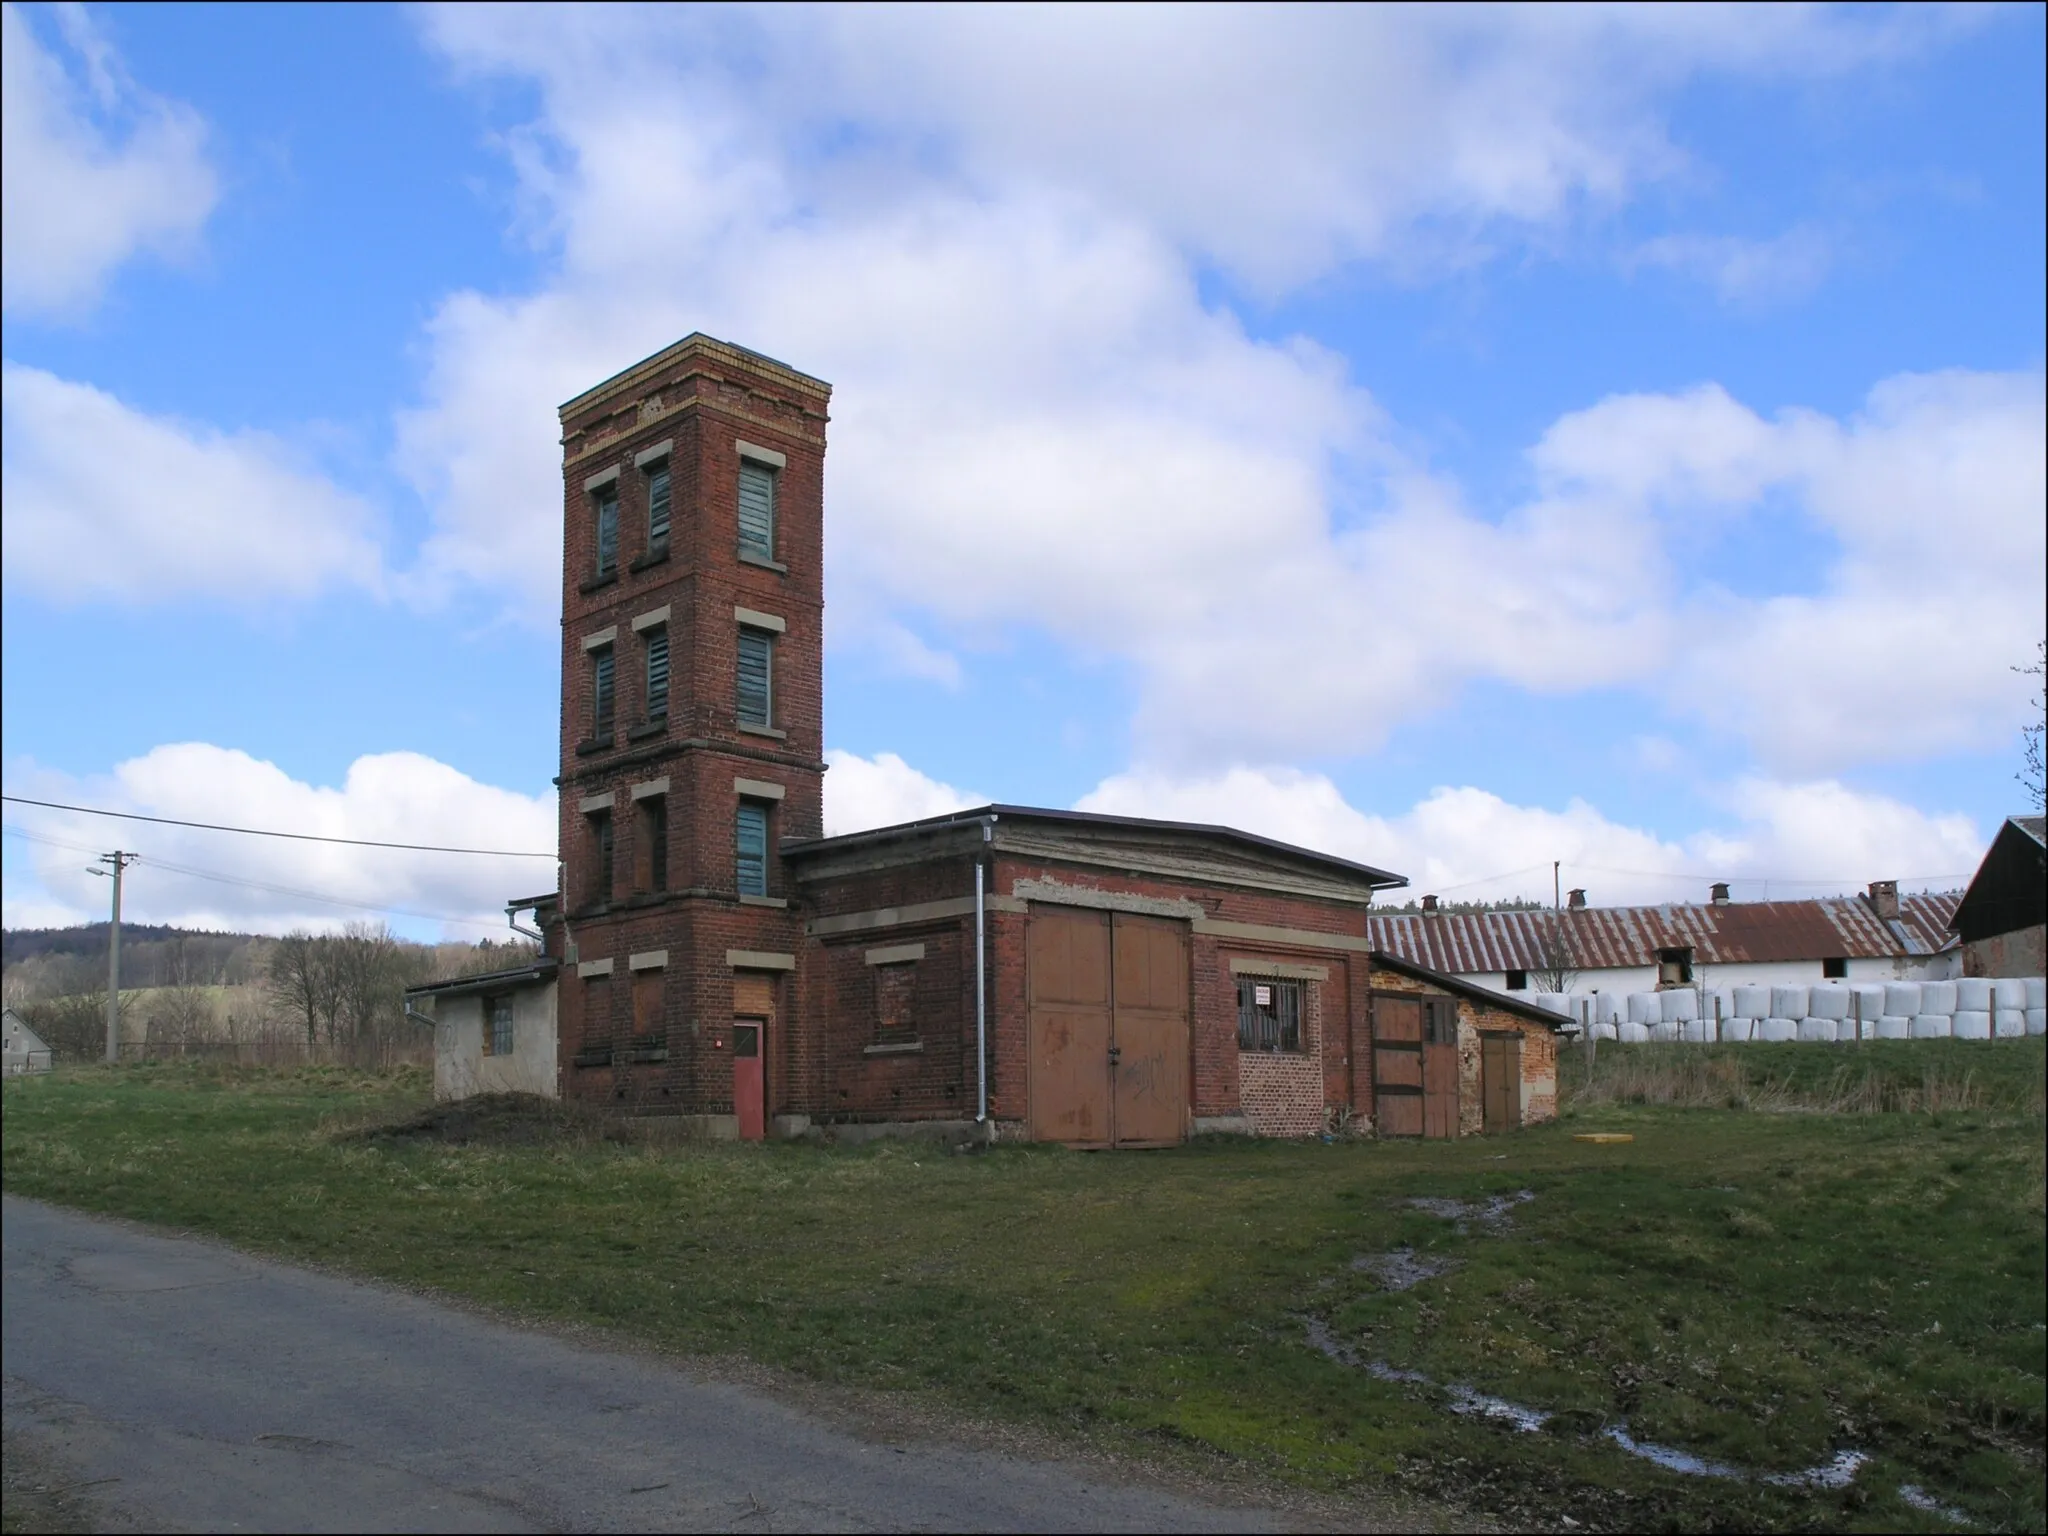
x=1450, y=1058
x=25, y=1050
x=493, y=1033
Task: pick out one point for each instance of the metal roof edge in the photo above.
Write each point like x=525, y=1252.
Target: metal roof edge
x=536, y=971
x=1486, y=995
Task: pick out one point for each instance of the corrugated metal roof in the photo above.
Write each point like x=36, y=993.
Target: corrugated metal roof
x=1611, y=938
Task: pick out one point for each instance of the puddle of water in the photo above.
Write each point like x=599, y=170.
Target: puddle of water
x=1492, y=1212
x=1921, y=1499
x=1400, y=1270
x=1526, y=1420
x=1667, y=1458
x=1463, y=1400
x=1838, y=1472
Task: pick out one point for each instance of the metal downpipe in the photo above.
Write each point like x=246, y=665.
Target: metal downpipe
x=988, y=835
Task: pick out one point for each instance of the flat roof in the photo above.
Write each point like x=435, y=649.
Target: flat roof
x=534, y=970
x=1378, y=879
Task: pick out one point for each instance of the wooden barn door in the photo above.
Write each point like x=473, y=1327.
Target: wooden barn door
x=1500, y=1080
x=1439, y=1066
x=1066, y=977
x=1397, y=1063
x=1109, y=1008
x=1148, y=1031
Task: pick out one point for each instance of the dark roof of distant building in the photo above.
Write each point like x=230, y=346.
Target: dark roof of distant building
x=1717, y=933
x=2009, y=892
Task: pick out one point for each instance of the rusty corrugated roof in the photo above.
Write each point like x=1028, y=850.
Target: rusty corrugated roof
x=1611, y=938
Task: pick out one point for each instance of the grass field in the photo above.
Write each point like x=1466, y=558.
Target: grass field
x=1761, y=1288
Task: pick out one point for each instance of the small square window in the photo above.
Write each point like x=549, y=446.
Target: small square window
x=1268, y=1015
x=1674, y=967
x=1835, y=970
x=1518, y=981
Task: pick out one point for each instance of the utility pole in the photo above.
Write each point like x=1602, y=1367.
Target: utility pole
x=120, y=860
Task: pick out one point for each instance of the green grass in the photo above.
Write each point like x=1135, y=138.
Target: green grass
x=1761, y=1289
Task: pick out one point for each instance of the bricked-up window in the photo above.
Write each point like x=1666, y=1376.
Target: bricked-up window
x=1268, y=1014
x=750, y=848
x=657, y=672
x=597, y=1009
x=896, y=1002
x=603, y=676
x=650, y=843
x=755, y=703
x=657, y=508
x=600, y=855
x=497, y=1026
x=647, y=998
x=757, y=510
x=608, y=530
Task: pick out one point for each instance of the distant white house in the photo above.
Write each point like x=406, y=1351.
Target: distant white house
x=25, y=1051
x=493, y=1033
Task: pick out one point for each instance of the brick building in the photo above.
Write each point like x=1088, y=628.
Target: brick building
x=1095, y=980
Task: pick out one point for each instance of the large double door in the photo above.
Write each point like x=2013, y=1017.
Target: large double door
x=1108, y=1006
x=1415, y=1064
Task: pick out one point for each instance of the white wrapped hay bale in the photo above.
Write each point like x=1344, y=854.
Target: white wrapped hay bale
x=2037, y=1021
x=1553, y=1002
x=1753, y=1002
x=1788, y=1002
x=1868, y=996
x=1777, y=1030
x=1811, y=1029
x=1645, y=1008
x=1698, y=1031
x=1738, y=1030
x=1937, y=997
x=2009, y=1023
x=1973, y=994
x=1632, y=1034
x=1902, y=998
x=1602, y=1030
x=1828, y=1002
x=1930, y=1026
x=1970, y=1024
x=1893, y=1026
x=1680, y=1004
x=2009, y=992
x=1611, y=1007
x=1667, y=1032
x=2037, y=992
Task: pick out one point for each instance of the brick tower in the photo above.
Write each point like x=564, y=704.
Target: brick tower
x=692, y=725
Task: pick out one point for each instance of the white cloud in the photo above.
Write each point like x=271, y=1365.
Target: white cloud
x=1802, y=839
x=1743, y=272
x=879, y=791
x=989, y=237
x=391, y=797
x=93, y=169
x=104, y=501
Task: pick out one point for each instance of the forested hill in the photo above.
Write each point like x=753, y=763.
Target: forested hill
x=18, y=944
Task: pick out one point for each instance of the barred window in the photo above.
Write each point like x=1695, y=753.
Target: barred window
x=657, y=508
x=750, y=844
x=498, y=1026
x=755, y=704
x=657, y=673
x=607, y=530
x=1268, y=1015
x=757, y=510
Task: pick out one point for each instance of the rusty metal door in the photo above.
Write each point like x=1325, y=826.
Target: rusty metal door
x=1500, y=1080
x=1397, y=1063
x=1067, y=980
x=1148, y=1031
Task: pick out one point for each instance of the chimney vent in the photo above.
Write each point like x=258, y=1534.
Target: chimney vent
x=1720, y=893
x=1577, y=899
x=1884, y=897
x=1429, y=904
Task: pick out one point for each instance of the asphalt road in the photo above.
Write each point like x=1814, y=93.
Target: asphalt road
x=222, y=1392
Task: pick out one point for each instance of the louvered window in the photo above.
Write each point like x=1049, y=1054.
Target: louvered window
x=757, y=510
x=756, y=676
x=657, y=674
x=607, y=530
x=657, y=508
x=750, y=843
x=601, y=692
x=1268, y=1015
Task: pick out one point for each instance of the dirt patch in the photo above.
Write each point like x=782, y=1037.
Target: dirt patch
x=1493, y=1215
x=1402, y=1269
x=501, y=1120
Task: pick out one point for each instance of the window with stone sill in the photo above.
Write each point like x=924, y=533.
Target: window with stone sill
x=895, y=1003
x=1269, y=1015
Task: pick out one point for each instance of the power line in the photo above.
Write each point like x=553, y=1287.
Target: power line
x=300, y=837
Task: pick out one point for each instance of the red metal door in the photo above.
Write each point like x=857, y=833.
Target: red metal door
x=1067, y=977
x=748, y=1101
x=1149, y=1049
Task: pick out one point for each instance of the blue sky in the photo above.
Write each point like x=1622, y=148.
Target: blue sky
x=1457, y=439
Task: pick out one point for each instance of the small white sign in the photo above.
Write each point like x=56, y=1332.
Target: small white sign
x=1262, y=996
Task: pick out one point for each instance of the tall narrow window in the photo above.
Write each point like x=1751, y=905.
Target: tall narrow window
x=601, y=692
x=756, y=676
x=608, y=530
x=657, y=509
x=650, y=838
x=498, y=1039
x=757, y=510
x=601, y=856
x=750, y=843
x=657, y=673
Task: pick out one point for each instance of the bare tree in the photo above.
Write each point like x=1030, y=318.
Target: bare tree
x=2032, y=777
x=301, y=978
x=1557, y=955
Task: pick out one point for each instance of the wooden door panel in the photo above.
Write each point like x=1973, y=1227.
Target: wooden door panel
x=1439, y=1090
x=1397, y=1069
x=1067, y=975
x=1400, y=1114
x=1500, y=1076
x=1067, y=957
x=1397, y=1018
x=1151, y=964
